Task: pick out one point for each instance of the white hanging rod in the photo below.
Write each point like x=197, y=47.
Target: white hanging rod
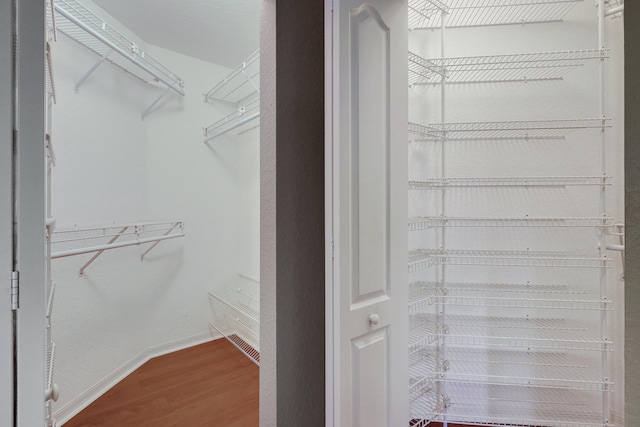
x=538, y=181
x=424, y=223
x=476, y=13
x=104, y=36
x=519, y=67
x=241, y=117
x=613, y=7
x=240, y=83
x=508, y=130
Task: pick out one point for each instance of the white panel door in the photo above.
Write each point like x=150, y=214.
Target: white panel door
x=369, y=182
x=6, y=217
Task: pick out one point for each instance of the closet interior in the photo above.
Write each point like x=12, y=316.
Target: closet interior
x=515, y=165
x=152, y=211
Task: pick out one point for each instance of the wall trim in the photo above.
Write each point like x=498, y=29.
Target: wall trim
x=71, y=409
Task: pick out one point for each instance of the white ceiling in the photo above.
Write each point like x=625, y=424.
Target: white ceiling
x=219, y=31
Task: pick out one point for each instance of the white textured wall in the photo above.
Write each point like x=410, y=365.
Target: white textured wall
x=576, y=96
x=114, y=167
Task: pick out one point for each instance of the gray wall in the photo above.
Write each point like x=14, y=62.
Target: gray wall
x=632, y=213
x=292, y=229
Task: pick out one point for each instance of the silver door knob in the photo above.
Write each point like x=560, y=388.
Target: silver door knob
x=374, y=319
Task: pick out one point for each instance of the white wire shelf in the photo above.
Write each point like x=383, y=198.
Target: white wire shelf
x=97, y=239
x=88, y=29
x=517, y=368
x=421, y=70
x=530, y=181
x=49, y=80
x=426, y=223
x=517, y=67
x=237, y=318
x=243, y=81
x=239, y=119
x=421, y=259
x=505, y=332
x=473, y=13
x=614, y=8
x=511, y=406
x=423, y=295
x=511, y=130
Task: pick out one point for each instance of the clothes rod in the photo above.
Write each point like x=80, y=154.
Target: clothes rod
x=99, y=248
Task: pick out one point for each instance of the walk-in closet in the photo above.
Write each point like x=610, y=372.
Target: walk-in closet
x=152, y=158
x=516, y=210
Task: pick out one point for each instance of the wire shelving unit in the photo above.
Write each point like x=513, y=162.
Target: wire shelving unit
x=241, y=87
x=463, y=13
x=530, y=181
x=511, y=130
x=237, y=318
x=110, y=45
x=517, y=67
x=430, y=222
x=73, y=241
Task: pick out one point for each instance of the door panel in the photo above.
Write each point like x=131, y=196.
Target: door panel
x=369, y=184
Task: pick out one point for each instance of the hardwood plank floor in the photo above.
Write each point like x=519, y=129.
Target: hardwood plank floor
x=212, y=384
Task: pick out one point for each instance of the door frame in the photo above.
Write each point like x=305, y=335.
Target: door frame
x=6, y=213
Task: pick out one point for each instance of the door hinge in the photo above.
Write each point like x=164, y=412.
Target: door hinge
x=15, y=290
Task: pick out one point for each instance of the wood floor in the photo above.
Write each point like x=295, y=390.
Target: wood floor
x=212, y=384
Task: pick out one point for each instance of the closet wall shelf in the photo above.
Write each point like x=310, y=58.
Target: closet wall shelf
x=555, y=297
x=97, y=239
x=504, y=333
x=240, y=83
x=49, y=83
x=237, y=318
x=425, y=223
x=521, y=129
x=537, y=181
x=82, y=25
x=421, y=70
x=463, y=13
x=517, y=67
x=614, y=8
x=421, y=259
x=244, y=115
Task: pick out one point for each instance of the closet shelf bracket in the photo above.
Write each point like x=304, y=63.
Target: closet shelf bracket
x=81, y=80
x=153, y=105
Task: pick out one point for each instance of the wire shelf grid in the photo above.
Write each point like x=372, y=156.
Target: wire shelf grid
x=421, y=259
x=239, y=118
x=431, y=222
x=237, y=318
x=508, y=332
x=423, y=295
x=421, y=70
x=421, y=12
x=530, y=181
x=465, y=13
x=243, y=81
x=517, y=67
x=511, y=130
x=93, y=32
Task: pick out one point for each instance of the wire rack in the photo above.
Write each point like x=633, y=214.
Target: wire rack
x=517, y=67
x=239, y=119
x=237, y=318
x=510, y=332
x=522, y=129
x=425, y=258
x=82, y=25
x=534, y=181
x=49, y=80
x=426, y=223
x=423, y=295
x=471, y=13
x=421, y=70
x=614, y=8
x=243, y=81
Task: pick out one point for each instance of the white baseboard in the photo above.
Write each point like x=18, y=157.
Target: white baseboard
x=72, y=408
